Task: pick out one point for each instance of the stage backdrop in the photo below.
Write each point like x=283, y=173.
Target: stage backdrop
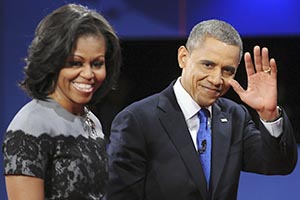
x=150, y=33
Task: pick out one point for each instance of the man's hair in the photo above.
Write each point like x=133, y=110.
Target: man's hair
x=55, y=38
x=217, y=29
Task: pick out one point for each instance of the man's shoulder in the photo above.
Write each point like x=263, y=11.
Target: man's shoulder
x=144, y=103
x=153, y=99
x=226, y=105
x=222, y=101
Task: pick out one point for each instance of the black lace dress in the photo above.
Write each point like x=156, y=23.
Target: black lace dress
x=45, y=141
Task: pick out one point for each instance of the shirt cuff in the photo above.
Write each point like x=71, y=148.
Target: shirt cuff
x=275, y=128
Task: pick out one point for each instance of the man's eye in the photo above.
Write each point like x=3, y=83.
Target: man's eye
x=207, y=65
x=229, y=71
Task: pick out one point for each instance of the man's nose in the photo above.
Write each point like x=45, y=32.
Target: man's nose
x=215, y=77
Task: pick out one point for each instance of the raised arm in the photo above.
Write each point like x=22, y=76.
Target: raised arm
x=261, y=92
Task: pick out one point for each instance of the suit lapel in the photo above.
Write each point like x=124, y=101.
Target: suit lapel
x=221, y=136
x=174, y=123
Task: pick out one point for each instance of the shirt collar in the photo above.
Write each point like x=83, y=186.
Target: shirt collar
x=186, y=103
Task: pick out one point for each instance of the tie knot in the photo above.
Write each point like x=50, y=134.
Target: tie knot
x=203, y=115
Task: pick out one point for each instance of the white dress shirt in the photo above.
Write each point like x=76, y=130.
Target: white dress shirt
x=190, y=111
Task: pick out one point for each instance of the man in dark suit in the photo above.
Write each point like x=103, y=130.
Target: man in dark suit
x=154, y=145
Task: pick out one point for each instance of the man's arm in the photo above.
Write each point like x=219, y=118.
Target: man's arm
x=261, y=92
x=127, y=162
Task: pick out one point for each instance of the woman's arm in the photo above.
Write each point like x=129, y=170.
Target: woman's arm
x=24, y=187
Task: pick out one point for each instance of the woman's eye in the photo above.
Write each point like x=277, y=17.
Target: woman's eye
x=97, y=64
x=75, y=64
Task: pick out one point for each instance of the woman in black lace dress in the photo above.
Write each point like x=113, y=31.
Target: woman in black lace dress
x=54, y=147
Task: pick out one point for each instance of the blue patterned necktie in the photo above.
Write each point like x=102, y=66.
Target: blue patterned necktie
x=204, y=142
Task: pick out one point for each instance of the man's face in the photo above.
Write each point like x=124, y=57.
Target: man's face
x=207, y=69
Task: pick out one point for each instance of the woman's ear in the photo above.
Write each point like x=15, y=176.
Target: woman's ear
x=182, y=55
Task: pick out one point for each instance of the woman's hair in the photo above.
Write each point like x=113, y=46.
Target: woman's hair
x=55, y=37
x=217, y=29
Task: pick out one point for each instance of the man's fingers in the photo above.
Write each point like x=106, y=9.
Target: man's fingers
x=265, y=59
x=249, y=64
x=257, y=59
x=236, y=87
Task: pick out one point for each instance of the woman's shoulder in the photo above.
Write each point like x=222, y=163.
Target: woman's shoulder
x=32, y=118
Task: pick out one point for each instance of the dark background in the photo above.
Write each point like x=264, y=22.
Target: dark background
x=150, y=65
x=150, y=33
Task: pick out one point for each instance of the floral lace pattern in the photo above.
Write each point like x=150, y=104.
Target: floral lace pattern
x=72, y=167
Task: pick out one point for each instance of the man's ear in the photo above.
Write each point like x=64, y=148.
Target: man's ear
x=182, y=56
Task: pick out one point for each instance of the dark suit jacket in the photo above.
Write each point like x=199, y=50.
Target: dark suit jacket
x=152, y=155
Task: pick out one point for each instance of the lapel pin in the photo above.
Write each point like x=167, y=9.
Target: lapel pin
x=223, y=120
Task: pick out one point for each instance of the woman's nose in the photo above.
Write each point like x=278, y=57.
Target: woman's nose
x=87, y=72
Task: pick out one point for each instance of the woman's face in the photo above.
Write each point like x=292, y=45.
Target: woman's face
x=83, y=73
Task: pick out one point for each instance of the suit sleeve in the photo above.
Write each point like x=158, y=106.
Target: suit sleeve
x=127, y=158
x=266, y=154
